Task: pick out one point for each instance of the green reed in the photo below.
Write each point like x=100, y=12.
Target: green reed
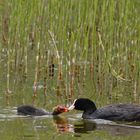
x=71, y=40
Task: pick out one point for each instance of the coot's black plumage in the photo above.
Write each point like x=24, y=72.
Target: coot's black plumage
x=116, y=112
x=31, y=110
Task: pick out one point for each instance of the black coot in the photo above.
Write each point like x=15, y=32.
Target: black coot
x=116, y=112
x=31, y=110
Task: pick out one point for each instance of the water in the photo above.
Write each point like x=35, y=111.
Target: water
x=65, y=126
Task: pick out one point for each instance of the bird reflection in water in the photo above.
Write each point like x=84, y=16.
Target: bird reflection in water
x=64, y=125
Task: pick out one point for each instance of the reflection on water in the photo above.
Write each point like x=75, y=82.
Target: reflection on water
x=62, y=124
x=86, y=126
x=72, y=125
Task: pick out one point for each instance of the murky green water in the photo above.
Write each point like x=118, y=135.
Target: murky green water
x=66, y=126
x=62, y=127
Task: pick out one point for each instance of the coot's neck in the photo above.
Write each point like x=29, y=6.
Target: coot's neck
x=87, y=113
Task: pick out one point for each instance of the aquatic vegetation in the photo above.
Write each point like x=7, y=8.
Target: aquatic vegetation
x=64, y=43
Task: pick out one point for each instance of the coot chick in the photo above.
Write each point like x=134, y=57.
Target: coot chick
x=31, y=110
x=116, y=112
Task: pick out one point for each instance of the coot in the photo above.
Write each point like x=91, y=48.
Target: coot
x=116, y=112
x=31, y=110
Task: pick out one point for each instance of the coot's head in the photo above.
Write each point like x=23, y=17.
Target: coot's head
x=83, y=104
x=59, y=109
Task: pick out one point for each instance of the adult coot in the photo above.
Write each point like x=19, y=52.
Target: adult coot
x=116, y=112
x=31, y=110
